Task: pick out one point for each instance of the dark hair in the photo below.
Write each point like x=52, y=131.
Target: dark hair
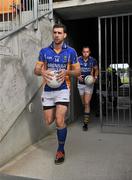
x=86, y=47
x=60, y=26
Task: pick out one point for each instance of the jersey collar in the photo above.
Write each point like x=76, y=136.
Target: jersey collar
x=64, y=45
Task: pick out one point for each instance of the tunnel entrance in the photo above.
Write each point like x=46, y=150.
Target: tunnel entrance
x=110, y=40
x=83, y=32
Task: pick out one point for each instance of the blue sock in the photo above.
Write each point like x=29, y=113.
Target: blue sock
x=61, y=134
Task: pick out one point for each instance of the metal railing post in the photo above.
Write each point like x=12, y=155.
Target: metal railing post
x=51, y=9
x=35, y=11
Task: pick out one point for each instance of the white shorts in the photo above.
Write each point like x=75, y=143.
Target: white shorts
x=50, y=99
x=88, y=89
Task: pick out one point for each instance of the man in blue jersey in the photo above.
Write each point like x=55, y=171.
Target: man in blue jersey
x=60, y=57
x=88, y=67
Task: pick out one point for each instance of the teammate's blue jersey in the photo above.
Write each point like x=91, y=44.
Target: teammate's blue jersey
x=57, y=61
x=86, y=67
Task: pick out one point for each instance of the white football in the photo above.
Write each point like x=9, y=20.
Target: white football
x=54, y=83
x=89, y=80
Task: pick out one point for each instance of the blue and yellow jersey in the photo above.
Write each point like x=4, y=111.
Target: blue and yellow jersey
x=54, y=60
x=86, y=66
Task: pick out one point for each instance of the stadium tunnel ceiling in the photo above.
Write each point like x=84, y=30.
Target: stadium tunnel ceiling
x=94, y=10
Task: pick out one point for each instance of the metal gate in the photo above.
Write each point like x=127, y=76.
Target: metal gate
x=115, y=76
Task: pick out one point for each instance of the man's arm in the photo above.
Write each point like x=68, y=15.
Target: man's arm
x=75, y=70
x=96, y=72
x=40, y=64
x=38, y=68
x=41, y=70
x=74, y=66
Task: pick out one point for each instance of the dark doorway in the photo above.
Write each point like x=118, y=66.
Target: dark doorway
x=83, y=32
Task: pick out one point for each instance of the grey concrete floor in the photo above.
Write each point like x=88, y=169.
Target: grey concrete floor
x=90, y=155
x=11, y=177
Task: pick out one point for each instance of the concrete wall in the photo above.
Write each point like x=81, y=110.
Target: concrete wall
x=18, y=90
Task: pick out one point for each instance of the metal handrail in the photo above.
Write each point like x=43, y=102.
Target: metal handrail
x=14, y=17
x=23, y=26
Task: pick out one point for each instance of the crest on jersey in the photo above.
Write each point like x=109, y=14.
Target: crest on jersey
x=65, y=58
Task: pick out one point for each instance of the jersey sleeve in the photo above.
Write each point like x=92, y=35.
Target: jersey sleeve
x=73, y=57
x=42, y=56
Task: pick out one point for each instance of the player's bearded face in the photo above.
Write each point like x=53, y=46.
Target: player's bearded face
x=58, y=35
